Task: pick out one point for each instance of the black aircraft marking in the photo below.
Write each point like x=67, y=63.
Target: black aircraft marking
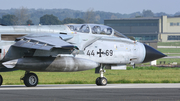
x=100, y=52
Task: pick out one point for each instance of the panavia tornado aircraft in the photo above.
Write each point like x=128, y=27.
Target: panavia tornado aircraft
x=68, y=48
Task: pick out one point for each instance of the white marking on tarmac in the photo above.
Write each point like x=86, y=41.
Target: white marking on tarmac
x=89, y=86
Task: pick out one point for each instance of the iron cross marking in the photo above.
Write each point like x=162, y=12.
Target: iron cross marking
x=100, y=52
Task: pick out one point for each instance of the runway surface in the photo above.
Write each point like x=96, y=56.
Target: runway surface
x=91, y=92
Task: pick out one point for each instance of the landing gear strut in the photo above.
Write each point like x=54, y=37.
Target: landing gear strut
x=1, y=80
x=30, y=79
x=101, y=81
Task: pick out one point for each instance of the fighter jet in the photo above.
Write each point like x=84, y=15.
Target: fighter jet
x=68, y=48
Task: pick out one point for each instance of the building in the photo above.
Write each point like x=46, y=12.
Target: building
x=164, y=29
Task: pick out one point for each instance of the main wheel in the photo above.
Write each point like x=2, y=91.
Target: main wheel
x=30, y=80
x=101, y=81
x=1, y=80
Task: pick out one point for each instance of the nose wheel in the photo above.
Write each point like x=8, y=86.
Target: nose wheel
x=101, y=81
x=1, y=80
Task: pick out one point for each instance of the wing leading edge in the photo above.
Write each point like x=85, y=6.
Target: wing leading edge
x=42, y=42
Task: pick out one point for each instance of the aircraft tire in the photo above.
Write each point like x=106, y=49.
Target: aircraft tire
x=1, y=80
x=101, y=81
x=30, y=80
x=97, y=81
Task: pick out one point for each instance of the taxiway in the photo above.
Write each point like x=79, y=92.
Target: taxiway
x=91, y=92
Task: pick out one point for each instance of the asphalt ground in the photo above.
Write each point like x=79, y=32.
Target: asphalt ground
x=91, y=92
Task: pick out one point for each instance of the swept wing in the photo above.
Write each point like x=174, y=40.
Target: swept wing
x=43, y=42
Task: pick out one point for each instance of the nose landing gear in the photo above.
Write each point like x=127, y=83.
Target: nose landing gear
x=101, y=81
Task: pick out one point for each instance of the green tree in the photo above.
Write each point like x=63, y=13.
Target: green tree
x=9, y=19
x=148, y=13
x=22, y=15
x=138, y=16
x=71, y=20
x=177, y=16
x=80, y=21
x=49, y=20
x=67, y=21
x=29, y=22
x=89, y=16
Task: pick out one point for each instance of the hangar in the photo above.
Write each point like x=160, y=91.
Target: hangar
x=151, y=29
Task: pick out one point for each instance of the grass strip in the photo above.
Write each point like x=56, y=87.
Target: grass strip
x=168, y=43
x=169, y=50
x=137, y=75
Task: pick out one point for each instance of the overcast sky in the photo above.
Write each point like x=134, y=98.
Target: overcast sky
x=116, y=6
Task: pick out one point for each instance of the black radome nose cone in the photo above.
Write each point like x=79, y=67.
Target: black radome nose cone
x=152, y=54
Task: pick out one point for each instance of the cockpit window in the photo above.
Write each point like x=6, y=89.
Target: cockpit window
x=118, y=34
x=84, y=29
x=101, y=30
x=95, y=29
x=71, y=27
x=108, y=31
x=75, y=27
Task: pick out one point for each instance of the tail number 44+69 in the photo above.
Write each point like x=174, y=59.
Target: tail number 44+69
x=100, y=52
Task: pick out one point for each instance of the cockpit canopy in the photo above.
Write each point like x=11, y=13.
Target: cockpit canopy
x=95, y=29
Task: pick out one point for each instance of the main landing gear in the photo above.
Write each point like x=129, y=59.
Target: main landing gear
x=1, y=80
x=101, y=81
x=30, y=79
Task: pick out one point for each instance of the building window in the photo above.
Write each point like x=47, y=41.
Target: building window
x=171, y=24
x=174, y=37
x=133, y=24
x=178, y=24
x=145, y=38
x=175, y=24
